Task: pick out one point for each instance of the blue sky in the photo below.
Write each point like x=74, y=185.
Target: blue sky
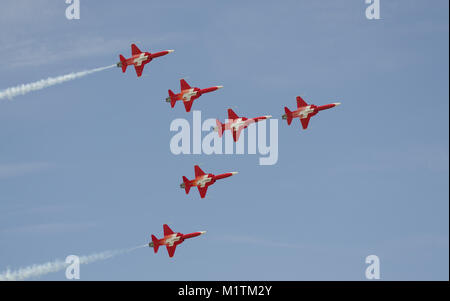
x=86, y=166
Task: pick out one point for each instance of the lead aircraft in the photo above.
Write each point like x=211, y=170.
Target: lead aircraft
x=305, y=111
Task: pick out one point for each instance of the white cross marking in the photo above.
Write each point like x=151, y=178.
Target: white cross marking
x=172, y=239
x=202, y=181
x=237, y=123
x=188, y=95
x=142, y=57
x=304, y=113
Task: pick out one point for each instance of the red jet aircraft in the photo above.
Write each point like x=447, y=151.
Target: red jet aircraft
x=188, y=94
x=203, y=180
x=139, y=59
x=305, y=111
x=171, y=240
x=236, y=124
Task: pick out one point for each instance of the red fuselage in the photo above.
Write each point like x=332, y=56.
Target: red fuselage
x=175, y=239
x=143, y=58
x=242, y=122
x=311, y=110
x=193, y=93
x=207, y=180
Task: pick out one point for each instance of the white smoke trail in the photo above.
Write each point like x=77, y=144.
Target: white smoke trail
x=23, y=89
x=37, y=270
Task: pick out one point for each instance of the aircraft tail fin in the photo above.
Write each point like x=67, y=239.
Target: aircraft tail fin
x=220, y=128
x=173, y=98
x=288, y=115
x=123, y=63
x=187, y=184
x=155, y=243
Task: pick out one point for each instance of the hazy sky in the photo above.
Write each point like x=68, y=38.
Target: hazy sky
x=85, y=166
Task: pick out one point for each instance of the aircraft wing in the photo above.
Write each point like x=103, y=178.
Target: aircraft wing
x=202, y=191
x=232, y=115
x=171, y=250
x=198, y=171
x=139, y=70
x=184, y=85
x=236, y=134
x=305, y=122
x=188, y=104
x=135, y=50
x=301, y=102
x=167, y=230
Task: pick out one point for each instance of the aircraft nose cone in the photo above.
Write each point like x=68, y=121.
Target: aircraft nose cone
x=202, y=232
x=170, y=51
x=268, y=116
x=337, y=104
x=219, y=87
x=234, y=173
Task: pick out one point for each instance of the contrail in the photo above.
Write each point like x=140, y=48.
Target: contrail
x=23, y=89
x=38, y=270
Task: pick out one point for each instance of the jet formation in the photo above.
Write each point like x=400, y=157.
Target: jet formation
x=171, y=239
x=188, y=94
x=235, y=124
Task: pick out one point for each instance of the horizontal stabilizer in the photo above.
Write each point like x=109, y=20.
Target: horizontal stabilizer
x=288, y=115
x=173, y=98
x=187, y=184
x=155, y=243
x=123, y=63
x=220, y=128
